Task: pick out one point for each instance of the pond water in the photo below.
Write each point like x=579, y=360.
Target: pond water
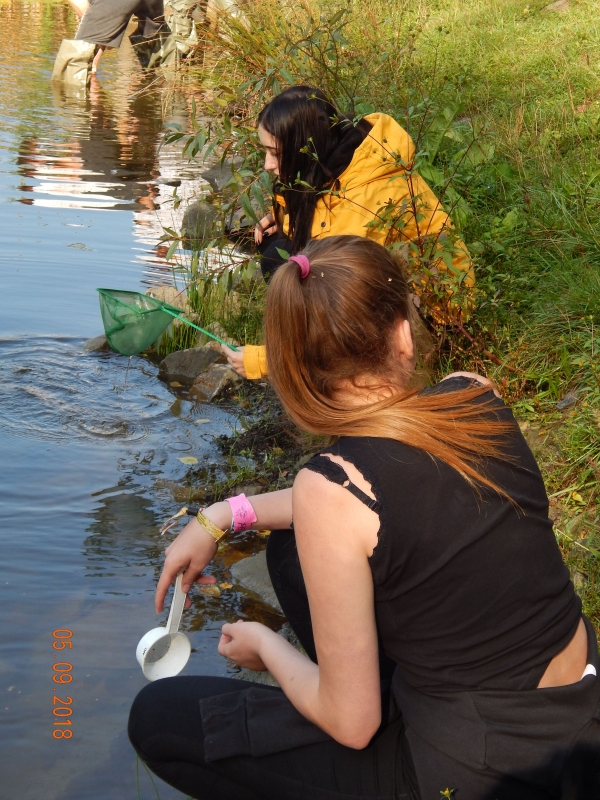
x=90, y=450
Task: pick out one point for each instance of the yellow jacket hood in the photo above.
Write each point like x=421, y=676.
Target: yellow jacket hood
x=375, y=158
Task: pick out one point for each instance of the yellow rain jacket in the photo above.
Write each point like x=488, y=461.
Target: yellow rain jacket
x=367, y=185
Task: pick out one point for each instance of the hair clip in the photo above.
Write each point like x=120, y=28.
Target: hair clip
x=303, y=263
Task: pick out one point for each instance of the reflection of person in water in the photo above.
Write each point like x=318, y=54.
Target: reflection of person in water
x=104, y=22
x=112, y=151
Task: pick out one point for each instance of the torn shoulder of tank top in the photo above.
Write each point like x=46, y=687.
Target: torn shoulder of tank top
x=337, y=474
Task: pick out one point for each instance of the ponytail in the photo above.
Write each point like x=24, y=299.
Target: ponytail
x=334, y=327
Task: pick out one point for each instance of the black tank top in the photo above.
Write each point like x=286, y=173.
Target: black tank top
x=469, y=591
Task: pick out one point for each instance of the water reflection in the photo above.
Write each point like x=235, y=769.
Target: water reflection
x=110, y=158
x=122, y=537
x=80, y=515
x=90, y=450
x=123, y=544
x=99, y=150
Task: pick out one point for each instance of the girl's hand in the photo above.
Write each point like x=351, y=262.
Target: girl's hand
x=191, y=551
x=241, y=642
x=267, y=226
x=235, y=359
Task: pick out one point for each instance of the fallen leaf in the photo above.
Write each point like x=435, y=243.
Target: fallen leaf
x=210, y=590
x=226, y=585
x=202, y=421
x=188, y=460
x=176, y=384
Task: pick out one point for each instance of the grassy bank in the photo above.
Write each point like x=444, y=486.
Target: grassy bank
x=503, y=102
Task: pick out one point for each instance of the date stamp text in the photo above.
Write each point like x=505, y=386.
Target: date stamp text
x=62, y=711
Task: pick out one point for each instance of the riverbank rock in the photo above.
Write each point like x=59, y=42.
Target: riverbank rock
x=252, y=573
x=171, y=295
x=96, y=345
x=185, y=366
x=212, y=382
x=218, y=175
x=201, y=221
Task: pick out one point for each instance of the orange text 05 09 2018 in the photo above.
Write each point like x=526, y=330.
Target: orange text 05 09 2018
x=62, y=707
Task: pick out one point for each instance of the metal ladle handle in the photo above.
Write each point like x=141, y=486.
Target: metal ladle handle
x=176, y=606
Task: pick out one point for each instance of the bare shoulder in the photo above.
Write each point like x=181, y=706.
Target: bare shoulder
x=474, y=376
x=322, y=507
x=315, y=480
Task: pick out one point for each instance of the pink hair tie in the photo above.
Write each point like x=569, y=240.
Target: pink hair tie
x=242, y=512
x=303, y=263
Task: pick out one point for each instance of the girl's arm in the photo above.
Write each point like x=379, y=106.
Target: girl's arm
x=335, y=535
x=194, y=548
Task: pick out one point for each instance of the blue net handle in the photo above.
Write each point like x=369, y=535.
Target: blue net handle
x=202, y=330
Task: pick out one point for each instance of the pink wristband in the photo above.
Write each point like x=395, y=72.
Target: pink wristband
x=243, y=513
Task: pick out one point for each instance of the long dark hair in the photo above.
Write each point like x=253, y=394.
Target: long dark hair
x=307, y=129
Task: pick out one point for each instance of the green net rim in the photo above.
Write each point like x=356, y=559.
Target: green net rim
x=160, y=305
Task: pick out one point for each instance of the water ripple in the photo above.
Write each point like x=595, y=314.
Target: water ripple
x=53, y=391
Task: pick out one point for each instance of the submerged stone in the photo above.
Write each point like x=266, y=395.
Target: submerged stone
x=96, y=344
x=201, y=221
x=182, y=493
x=252, y=573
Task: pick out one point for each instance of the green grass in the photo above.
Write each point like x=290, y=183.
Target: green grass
x=235, y=303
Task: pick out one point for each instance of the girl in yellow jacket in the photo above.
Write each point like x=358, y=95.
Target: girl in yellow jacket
x=335, y=177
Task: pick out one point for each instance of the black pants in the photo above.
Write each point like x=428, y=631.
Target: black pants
x=166, y=730
x=530, y=745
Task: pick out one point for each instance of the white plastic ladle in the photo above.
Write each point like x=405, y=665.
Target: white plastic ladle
x=164, y=652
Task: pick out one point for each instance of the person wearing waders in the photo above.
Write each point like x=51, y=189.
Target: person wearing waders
x=104, y=22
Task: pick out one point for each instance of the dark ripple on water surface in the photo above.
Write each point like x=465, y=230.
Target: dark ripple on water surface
x=51, y=390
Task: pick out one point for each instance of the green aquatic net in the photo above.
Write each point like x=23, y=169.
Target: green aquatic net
x=134, y=321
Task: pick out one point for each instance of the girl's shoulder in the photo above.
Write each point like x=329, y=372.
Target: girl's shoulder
x=460, y=380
